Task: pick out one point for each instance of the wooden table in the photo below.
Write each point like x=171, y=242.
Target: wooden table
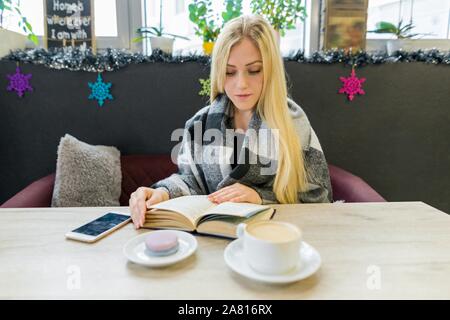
x=369, y=251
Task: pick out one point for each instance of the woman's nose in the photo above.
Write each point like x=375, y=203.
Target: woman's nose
x=242, y=81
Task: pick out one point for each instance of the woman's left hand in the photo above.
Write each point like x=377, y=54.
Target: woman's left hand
x=235, y=193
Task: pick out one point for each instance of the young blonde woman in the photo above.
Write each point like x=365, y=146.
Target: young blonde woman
x=248, y=93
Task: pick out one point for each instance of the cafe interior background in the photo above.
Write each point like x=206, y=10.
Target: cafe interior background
x=391, y=130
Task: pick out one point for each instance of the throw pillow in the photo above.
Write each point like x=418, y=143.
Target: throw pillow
x=86, y=175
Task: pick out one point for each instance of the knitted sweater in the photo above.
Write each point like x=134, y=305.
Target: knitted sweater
x=204, y=162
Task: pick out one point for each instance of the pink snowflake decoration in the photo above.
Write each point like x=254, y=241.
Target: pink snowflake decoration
x=19, y=82
x=352, y=85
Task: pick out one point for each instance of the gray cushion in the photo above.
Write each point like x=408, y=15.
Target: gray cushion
x=86, y=175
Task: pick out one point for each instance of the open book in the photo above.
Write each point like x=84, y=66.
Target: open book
x=197, y=213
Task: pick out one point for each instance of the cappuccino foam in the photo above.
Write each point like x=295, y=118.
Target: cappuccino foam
x=273, y=232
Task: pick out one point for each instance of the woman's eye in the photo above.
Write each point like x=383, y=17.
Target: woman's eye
x=253, y=72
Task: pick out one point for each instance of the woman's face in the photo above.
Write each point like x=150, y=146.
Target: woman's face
x=244, y=78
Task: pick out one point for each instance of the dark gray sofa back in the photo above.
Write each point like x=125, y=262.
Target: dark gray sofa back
x=395, y=137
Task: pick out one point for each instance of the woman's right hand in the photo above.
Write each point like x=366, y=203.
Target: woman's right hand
x=141, y=199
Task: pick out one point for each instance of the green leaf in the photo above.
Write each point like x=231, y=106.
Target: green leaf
x=406, y=28
x=138, y=39
x=33, y=38
x=202, y=11
x=28, y=26
x=383, y=25
x=156, y=30
x=193, y=17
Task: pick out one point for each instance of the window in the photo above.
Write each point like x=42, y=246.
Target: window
x=105, y=18
x=179, y=6
x=116, y=22
x=106, y=22
x=430, y=17
x=176, y=20
x=31, y=9
x=295, y=39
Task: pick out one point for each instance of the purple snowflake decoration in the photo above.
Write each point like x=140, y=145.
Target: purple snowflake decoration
x=352, y=85
x=19, y=82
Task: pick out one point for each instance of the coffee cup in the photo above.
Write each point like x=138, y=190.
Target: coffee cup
x=270, y=247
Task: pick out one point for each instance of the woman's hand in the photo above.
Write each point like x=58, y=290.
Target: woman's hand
x=235, y=193
x=141, y=199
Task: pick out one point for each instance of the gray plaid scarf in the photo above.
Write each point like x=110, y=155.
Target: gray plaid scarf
x=206, y=151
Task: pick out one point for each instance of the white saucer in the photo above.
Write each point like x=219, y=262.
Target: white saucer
x=309, y=263
x=134, y=250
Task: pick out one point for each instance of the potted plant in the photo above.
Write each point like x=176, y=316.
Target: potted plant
x=400, y=31
x=157, y=35
x=10, y=39
x=281, y=14
x=208, y=24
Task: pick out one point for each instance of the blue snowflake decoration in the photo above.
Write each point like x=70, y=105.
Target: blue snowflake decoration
x=100, y=90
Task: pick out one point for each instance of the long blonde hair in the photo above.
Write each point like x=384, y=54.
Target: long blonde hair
x=272, y=106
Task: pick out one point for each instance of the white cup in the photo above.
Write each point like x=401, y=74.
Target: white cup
x=270, y=247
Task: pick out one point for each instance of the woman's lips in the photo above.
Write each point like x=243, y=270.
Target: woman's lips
x=243, y=96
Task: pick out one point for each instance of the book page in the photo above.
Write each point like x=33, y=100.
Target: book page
x=192, y=207
x=238, y=209
x=226, y=226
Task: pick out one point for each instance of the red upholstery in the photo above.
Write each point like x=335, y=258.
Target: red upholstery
x=137, y=170
x=37, y=194
x=346, y=186
x=144, y=170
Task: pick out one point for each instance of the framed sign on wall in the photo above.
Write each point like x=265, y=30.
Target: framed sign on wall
x=69, y=23
x=345, y=24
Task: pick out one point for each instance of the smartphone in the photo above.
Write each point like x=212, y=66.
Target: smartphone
x=100, y=227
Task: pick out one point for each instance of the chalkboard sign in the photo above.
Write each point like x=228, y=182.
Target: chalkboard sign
x=69, y=23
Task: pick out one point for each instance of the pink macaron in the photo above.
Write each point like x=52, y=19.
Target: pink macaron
x=161, y=243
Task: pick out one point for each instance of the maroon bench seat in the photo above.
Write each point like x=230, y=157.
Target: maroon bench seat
x=144, y=170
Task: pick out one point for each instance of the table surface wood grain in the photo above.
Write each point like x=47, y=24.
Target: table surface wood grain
x=394, y=250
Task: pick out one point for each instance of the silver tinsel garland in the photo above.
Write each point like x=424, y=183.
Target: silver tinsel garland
x=75, y=59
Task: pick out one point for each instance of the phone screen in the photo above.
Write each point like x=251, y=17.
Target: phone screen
x=102, y=224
